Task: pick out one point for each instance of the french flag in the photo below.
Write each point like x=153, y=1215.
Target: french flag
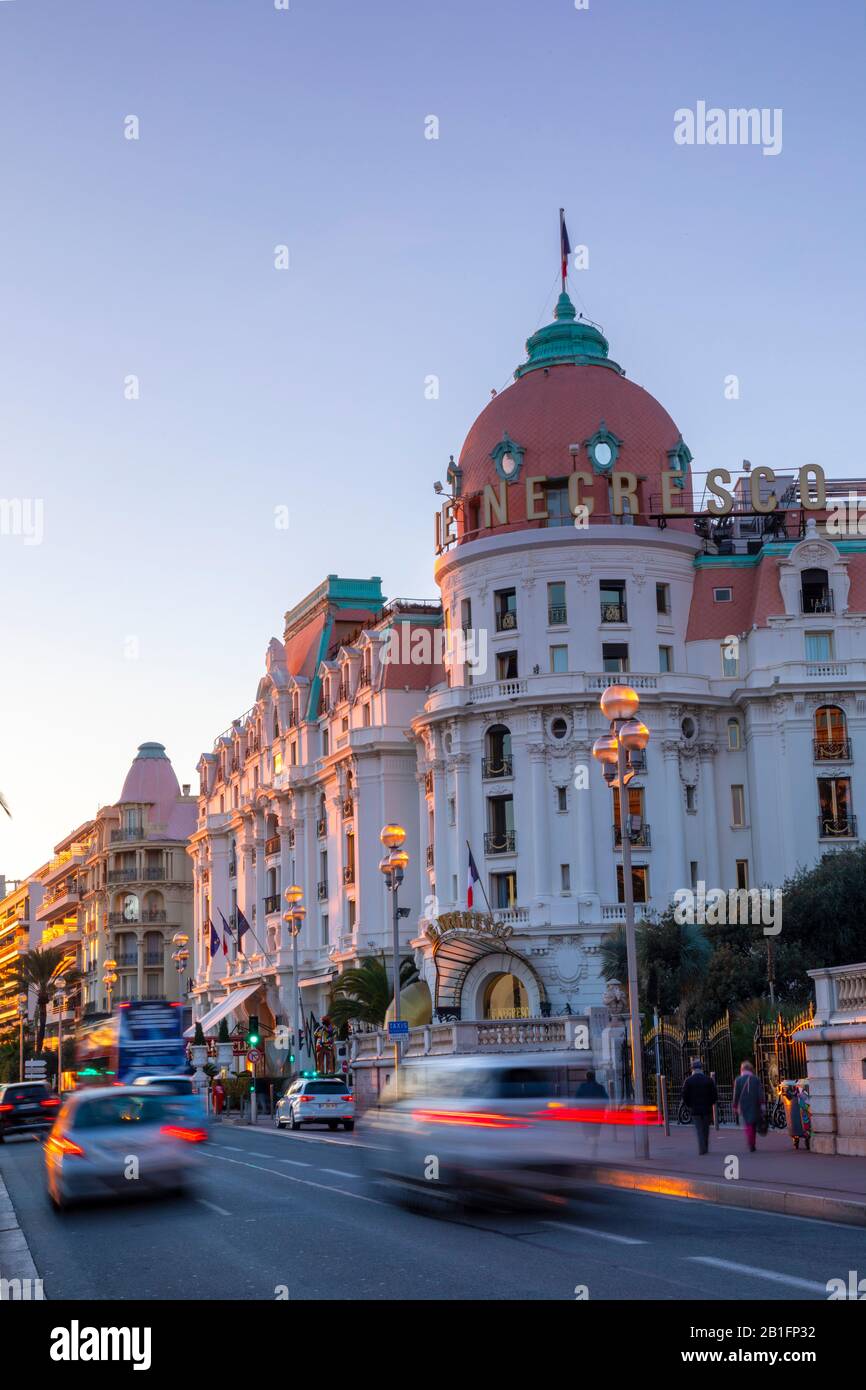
x=227, y=931
x=214, y=939
x=473, y=877
x=564, y=244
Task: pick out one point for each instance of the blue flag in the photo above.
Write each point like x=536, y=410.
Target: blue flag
x=214, y=939
x=243, y=925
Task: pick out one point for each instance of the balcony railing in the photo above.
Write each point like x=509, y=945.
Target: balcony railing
x=154, y=872
x=832, y=750
x=155, y=917
x=272, y=844
x=500, y=841
x=557, y=615
x=127, y=958
x=837, y=827
x=322, y=827
x=272, y=903
x=127, y=875
x=348, y=807
x=154, y=958
x=349, y=873
x=496, y=767
x=428, y=783
x=506, y=622
x=118, y=836
x=613, y=613
x=638, y=835
x=364, y=678
x=818, y=602
x=322, y=892
x=428, y=856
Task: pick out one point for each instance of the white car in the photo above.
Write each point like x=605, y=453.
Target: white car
x=316, y=1100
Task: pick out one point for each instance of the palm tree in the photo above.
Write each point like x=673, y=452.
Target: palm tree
x=363, y=994
x=39, y=970
x=671, y=959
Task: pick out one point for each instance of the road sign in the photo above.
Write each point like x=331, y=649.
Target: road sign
x=398, y=1028
x=35, y=1068
x=254, y=1055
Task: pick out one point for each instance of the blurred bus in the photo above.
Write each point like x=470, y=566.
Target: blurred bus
x=142, y=1037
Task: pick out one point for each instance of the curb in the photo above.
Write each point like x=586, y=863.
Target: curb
x=16, y=1262
x=735, y=1194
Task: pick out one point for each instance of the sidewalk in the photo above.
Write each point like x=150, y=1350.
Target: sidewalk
x=829, y=1187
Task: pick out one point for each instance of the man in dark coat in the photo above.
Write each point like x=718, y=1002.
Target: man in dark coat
x=590, y=1089
x=700, y=1095
x=749, y=1101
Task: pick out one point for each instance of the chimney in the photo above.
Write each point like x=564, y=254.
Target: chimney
x=186, y=787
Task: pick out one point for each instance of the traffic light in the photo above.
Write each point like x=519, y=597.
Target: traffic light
x=253, y=1035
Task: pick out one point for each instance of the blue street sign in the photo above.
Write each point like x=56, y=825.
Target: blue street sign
x=398, y=1028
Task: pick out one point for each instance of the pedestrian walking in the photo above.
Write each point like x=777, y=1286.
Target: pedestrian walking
x=797, y=1113
x=749, y=1102
x=700, y=1095
x=218, y=1096
x=591, y=1091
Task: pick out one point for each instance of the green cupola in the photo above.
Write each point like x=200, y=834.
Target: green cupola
x=568, y=339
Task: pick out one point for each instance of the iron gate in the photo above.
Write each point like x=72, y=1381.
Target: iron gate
x=778, y=1052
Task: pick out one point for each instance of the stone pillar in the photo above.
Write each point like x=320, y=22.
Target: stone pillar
x=139, y=947
x=440, y=833
x=586, y=883
x=540, y=829
x=463, y=819
x=711, y=871
x=678, y=872
x=219, y=896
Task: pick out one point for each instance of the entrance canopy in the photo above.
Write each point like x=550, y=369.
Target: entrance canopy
x=222, y=1009
x=455, y=955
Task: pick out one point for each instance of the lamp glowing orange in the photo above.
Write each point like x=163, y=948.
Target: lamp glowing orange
x=619, y=702
x=392, y=835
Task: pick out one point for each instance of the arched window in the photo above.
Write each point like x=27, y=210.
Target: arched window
x=831, y=734
x=497, y=744
x=816, y=594
x=276, y=724
x=734, y=735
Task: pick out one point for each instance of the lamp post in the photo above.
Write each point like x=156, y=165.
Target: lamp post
x=109, y=978
x=294, y=896
x=628, y=734
x=393, y=866
x=180, y=955
x=22, y=1016
x=59, y=1000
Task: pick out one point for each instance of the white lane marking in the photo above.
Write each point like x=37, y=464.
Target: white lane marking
x=755, y=1273
x=591, y=1231
x=220, y=1211
x=252, y=1153
x=304, y=1182
x=295, y=1162
x=339, y=1172
x=233, y=1148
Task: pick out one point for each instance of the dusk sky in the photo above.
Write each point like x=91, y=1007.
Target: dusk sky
x=145, y=612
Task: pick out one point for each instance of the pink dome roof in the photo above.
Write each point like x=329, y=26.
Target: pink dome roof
x=151, y=781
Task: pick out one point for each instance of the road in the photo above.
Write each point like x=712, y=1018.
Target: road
x=291, y=1215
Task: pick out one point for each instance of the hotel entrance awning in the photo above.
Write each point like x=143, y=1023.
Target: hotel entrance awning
x=224, y=1007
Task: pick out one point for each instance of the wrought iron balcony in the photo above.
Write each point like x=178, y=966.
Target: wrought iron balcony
x=500, y=841
x=154, y=872
x=272, y=844
x=119, y=836
x=154, y=958
x=613, y=613
x=153, y=917
x=125, y=875
x=127, y=958
x=832, y=750
x=507, y=621
x=272, y=903
x=349, y=873
x=819, y=601
x=557, y=615
x=428, y=856
x=496, y=767
x=638, y=835
x=322, y=892
x=837, y=827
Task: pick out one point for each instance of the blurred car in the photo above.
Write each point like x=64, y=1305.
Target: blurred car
x=506, y=1129
x=181, y=1087
x=316, y=1100
x=26, y=1107
x=98, y=1132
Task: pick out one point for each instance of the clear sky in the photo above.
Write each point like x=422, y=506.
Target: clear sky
x=146, y=610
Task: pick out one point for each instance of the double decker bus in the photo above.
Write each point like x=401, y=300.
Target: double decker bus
x=141, y=1038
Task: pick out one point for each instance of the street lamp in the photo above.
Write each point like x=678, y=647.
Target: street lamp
x=294, y=896
x=59, y=987
x=109, y=978
x=22, y=1016
x=628, y=735
x=393, y=867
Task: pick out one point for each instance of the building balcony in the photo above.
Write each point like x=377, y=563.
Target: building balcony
x=638, y=835
x=272, y=903
x=840, y=995
x=154, y=873
x=506, y=622
x=837, y=827
x=557, y=615
x=322, y=827
x=127, y=957
x=348, y=808
x=322, y=892
x=613, y=613
x=155, y=958
x=428, y=856
x=349, y=873
x=832, y=750
x=820, y=601
x=154, y=918
x=66, y=901
x=500, y=842
x=272, y=845
x=496, y=767
x=128, y=875
x=119, y=837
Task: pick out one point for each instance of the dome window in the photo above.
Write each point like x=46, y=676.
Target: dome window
x=603, y=449
x=679, y=459
x=508, y=459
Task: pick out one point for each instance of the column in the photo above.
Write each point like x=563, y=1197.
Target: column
x=463, y=818
x=711, y=871
x=219, y=895
x=586, y=882
x=540, y=831
x=440, y=833
x=139, y=949
x=674, y=833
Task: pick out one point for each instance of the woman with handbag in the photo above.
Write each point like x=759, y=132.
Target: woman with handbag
x=749, y=1102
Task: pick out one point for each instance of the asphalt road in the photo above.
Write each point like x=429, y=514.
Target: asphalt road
x=292, y=1215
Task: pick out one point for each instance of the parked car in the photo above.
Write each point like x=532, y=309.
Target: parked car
x=316, y=1100
x=26, y=1107
x=118, y=1142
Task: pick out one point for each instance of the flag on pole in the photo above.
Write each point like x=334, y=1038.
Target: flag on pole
x=243, y=925
x=214, y=939
x=227, y=931
x=564, y=245
x=473, y=878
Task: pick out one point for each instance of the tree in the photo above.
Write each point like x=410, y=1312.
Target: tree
x=39, y=971
x=671, y=961
x=363, y=994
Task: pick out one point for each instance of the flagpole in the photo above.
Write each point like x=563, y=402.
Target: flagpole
x=481, y=883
